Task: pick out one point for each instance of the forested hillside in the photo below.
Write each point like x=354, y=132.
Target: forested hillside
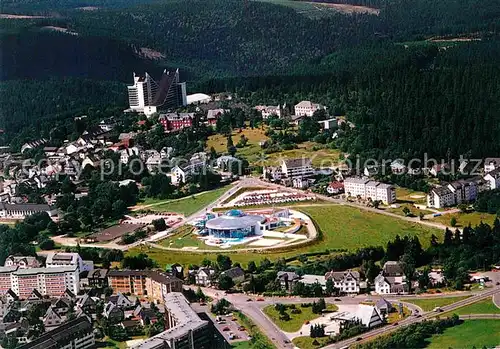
x=407, y=90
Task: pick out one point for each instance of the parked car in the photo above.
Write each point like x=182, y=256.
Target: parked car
x=225, y=329
x=241, y=328
x=260, y=299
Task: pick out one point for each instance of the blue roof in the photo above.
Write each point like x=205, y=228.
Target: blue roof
x=235, y=213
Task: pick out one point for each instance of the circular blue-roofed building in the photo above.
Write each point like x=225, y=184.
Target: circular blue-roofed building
x=235, y=224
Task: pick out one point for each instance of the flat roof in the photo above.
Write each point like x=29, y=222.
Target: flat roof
x=185, y=317
x=56, y=270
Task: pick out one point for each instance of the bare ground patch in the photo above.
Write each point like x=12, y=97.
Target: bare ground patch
x=349, y=9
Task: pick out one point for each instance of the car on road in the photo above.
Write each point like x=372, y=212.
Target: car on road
x=337, y=300
x=437, y=310
x=226, y=329
x=359, y=339
x=241, y=328
x=249, y=299
x=395, y=324
x=260, y=299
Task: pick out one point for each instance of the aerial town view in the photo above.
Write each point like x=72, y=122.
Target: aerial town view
x=250, y=174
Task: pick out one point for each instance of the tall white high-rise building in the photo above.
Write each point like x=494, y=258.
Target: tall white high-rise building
x=147, y=96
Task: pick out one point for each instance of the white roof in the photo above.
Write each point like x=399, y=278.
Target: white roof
x=312, y=279
x=197, y=97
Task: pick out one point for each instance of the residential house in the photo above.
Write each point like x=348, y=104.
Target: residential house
x=113, y=313
x=61, y=306
x=271, y=110
x=368, y=315
x=236, y=274
x=398, y=167
x=214, y=114
x=98, y=278
x=391, y=279
x=128, y=153
x=493, y=179
x=335, y=188
x=307, y=108
x=287, y=280
x=177, y=271
x=87, y=303
x=33, y=144
x=52, y=319
x=120, y=300
x=345, y=281
x=23, y=262
x=74, y=334
x=308, y=279
x=490, y=164
x=439, y=168
x=204, y=276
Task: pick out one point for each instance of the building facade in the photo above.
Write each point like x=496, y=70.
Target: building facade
x=176, y=121
x=345, y=281
x=297, y=168
x=148, y=96
x=367, y=189
x=307, y=108
x=47, y=281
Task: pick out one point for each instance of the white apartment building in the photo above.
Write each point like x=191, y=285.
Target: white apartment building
x=270, y=110
x=295, y=168
x=367, y=189
x=440, y=197
x=307, y=108
x=345, y=281
x=455, y=193
x=66, y=259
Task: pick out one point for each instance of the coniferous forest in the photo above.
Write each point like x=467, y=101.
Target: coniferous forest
x=420, y=77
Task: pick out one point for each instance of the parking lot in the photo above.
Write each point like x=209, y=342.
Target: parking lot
x=228, y=326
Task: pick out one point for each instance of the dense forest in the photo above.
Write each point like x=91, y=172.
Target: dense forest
x=408, y=91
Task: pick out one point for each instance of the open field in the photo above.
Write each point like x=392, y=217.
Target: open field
x=351, y=228
x=464, y=219
x=319, y=9
x=190, y=205
x=469, y=334
x=348, y=9
x=395, y=316
x=414, y=211
x=306, y=342
x=484, y=306
x=429, y=304
x=296, y=320
x=256, y=156
x=410, y=196
x=342, y=227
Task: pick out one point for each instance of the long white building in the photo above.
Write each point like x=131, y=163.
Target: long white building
x=367, y=189
x=297, y=168
x=307, y=108
x=48, y=281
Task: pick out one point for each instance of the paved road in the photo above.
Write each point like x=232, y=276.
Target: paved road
x=413, y=319
x=253, y=309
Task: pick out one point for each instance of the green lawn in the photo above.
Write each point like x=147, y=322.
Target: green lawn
x=484, y=306
x=259, y=340
x=190, y=205
x=414, y=211
x=296, y=320
x=464, y=219
x=478, y=333
x=410, y=196
x=343, y=227
x=429, y=304
x=306, y=342
x=352, y=228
